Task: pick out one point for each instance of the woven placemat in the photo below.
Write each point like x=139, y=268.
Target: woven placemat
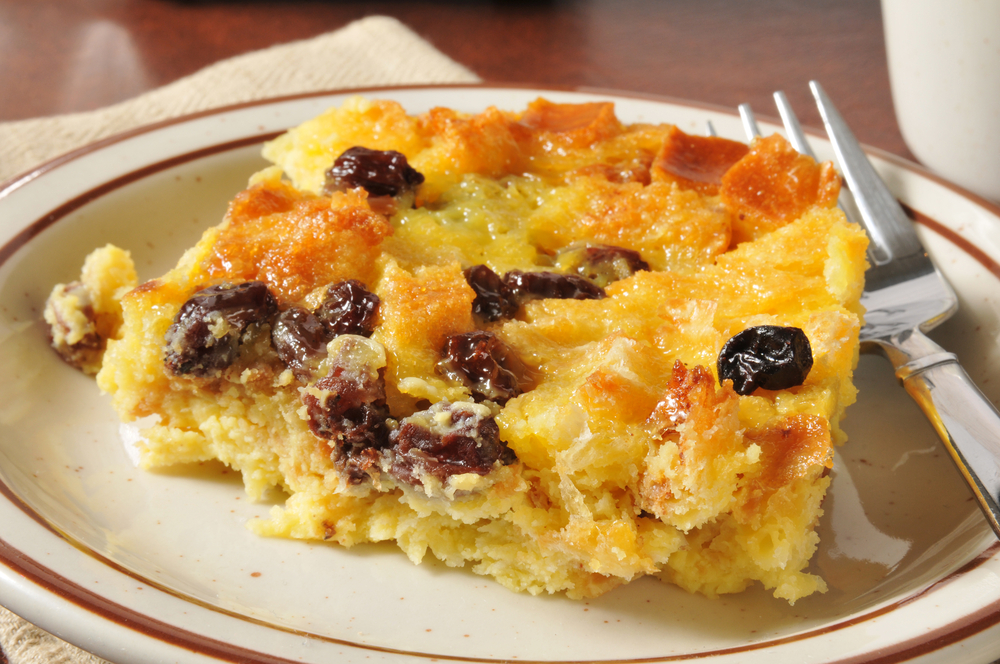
x=371, y=52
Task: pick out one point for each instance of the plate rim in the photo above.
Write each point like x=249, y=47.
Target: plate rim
x=988, y=617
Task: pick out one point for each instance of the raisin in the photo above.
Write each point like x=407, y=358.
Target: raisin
x=348, y=407
x=299, y=337
x=494, y=299
x=767, y=356
x=486, y=365
x=206, y=334
x=551, y=285
x=69, y=311
x=446, y=439
x=349, y=308
x=602, y=264
x=379, y=172
x=352, y=415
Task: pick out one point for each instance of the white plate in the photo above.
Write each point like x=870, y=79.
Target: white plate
x=156, y=567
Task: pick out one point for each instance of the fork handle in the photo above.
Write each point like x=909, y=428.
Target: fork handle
x=965, y=419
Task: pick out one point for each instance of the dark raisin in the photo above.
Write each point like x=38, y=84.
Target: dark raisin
x=487, y=366
x=551, y=285
x=207, y=332
x=348, y=408
x=299, y=337
x=602, y=264
x=494, y=299
x=380, y=172
x=767, y=356
x=349, y=308
x=446, y=439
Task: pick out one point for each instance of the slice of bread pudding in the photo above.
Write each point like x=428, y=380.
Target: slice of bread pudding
x=562, y=350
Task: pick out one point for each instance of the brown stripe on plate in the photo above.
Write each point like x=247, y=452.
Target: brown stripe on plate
x=164, y=632
x=55, y=583
x=39, y=225
x=139, y=622
x=939, y=638
x=20, y=180
x=952, y=236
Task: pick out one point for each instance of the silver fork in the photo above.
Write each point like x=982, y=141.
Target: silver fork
x=905, y=296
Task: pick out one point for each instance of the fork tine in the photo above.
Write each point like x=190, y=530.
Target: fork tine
x=904, y=296
x=749, y=121
x=888, y=227
x=879, y=252
x=798, y=139
x=792, y=127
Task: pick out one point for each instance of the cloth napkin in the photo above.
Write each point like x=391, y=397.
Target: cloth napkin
x=370, y=52
x=373, y=51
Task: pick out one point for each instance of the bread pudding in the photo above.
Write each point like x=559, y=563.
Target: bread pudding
x=563, y=351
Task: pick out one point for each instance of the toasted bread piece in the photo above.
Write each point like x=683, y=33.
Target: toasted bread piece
x=505, y=352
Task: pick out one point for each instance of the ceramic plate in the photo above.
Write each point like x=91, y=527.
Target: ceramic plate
x=155, y=567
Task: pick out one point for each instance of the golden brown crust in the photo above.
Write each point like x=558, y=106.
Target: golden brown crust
x=611, y=451
x=296, y=242
x=773, y=185
x=696, y=162
x=699, y=447
x=793, y=449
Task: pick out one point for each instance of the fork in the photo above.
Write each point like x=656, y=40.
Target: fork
x=905, y=296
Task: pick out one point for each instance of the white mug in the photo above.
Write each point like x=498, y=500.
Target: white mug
x=944, y=67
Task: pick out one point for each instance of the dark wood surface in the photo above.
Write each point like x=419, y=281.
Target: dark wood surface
x=61, y=56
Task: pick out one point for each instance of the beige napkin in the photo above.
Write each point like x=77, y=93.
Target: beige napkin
x=370, y=52
x=374, y=51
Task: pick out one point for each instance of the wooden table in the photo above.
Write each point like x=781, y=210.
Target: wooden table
x=61, y=56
